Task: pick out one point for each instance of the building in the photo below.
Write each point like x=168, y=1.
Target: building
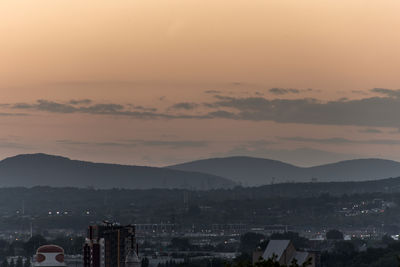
x=284, y=252
x=156, y=228
x=49, y=256
x=110, y=245
x=277, y=228
x=230, y=227
x=132, y=259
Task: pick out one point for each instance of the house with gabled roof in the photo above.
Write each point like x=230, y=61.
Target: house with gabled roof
x=284, y=252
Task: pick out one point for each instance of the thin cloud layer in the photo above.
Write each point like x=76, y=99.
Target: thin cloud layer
x=184, y=105
x=368, y=112
x=7, y=114
x=175, y=144
x=370, y=130
x=80, y=101
x=94, y=109
x=284, y=91
x=387, y=92
x=372, y=112
x=339, y=140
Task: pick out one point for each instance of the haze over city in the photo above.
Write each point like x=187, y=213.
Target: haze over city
x=164, y=82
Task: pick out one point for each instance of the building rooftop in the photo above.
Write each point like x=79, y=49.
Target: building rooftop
x=275, y=247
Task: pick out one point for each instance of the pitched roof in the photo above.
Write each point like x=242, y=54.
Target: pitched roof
x=276, y=247
x=301, y=257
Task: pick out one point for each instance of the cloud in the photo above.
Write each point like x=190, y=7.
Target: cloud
x=373, y=111
x=7, y=114
x=370, y=130
x=14, y=145
x=134, y=143
x=359, y=92
x=72, y=142
x=84, y=143
x=172, y=144
x=95, y=83
x=221, y=114
x=284, y=91
x=338, y=140
x=261, y=143
x=212, y=92
x=95, y=109
x=335, y=140
x=367, y=112
x=387, y=92
x=237, y=83
x=80, y=101
x=184, y=105
x=142, y=108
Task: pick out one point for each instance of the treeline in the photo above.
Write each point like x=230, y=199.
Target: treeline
x=49, y=208
x=347, y=254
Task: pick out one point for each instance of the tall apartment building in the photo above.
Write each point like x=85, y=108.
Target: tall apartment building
x=110, y=245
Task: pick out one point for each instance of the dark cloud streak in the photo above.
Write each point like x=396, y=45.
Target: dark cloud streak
x=373, y=112
x=366, y=112
x=283, y=91
x=184, y=106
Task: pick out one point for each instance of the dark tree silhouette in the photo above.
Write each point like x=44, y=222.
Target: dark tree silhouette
x=334, y=235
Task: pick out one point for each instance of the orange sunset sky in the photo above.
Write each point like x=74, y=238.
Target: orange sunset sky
x=151, y=82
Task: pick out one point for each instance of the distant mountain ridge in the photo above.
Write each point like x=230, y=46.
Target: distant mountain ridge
x=41, y=169
x=257, y=171
x=30, y=170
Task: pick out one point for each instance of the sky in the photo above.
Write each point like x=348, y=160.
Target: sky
x=149, y=82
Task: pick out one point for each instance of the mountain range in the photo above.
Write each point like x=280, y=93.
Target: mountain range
x=30, y=170
x=48, y=170
x=250, y=171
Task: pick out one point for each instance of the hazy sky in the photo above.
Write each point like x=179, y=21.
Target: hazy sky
x=159, y=82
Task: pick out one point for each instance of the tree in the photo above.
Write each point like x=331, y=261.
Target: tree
x=77, y=244
x=344, y=248
x=5, y=263
x=33, y=243
x=145, y=262
x=334, y=235
x=243, y=260
x=27, y=262
x=249, y=242
x=273, y=262
x=19, y=262
x=3, y=247
x=387, y=240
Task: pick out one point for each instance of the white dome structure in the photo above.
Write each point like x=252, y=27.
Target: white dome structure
x=49, y=256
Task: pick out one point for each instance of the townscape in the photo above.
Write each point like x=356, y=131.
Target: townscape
x=186, y=227
x=199, y=133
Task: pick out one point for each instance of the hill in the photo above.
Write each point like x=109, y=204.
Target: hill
x=256, y=171
x=41, y=169
x=306, y=204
